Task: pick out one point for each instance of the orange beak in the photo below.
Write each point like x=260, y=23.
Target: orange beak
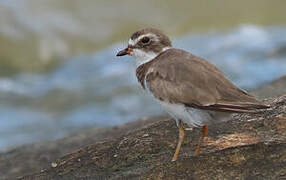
x=126, y=51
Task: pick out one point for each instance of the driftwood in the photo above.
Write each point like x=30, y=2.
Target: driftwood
x=246, y=147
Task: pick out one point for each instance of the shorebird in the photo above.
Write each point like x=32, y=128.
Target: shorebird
x=189, y=88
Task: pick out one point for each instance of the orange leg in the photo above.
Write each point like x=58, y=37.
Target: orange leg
x=181, y=139
x=205, y=130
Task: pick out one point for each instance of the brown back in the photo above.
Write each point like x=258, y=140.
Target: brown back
x=180, y=77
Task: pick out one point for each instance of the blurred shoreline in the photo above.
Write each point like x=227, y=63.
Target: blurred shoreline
x=35, y=35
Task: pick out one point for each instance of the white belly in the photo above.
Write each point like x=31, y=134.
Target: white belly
x=190, y=116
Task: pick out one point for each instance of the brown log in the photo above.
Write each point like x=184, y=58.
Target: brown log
x=248, y=146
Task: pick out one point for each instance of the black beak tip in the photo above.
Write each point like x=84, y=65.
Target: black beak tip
x=119, y=54
x=122, y=52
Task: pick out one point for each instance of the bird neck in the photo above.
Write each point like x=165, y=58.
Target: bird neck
x=143, y=57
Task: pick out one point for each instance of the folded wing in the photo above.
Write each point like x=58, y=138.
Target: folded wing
x=197, y=83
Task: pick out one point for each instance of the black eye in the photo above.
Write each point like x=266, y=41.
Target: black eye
x=145, y=40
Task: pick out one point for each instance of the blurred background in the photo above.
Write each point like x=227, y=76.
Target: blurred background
x=59, y=73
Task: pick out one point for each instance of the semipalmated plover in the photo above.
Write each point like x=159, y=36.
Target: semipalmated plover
x=190, y=88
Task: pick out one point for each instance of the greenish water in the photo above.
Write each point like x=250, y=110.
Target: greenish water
x=59, y=73
x=35, y=35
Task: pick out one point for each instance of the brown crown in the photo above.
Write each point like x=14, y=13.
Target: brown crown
x=155, y=46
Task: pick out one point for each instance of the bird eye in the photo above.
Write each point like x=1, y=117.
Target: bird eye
x=145, y=40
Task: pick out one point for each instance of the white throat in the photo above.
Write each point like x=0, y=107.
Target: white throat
x=143, y=57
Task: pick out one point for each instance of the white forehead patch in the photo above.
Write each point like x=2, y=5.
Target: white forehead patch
x=132, y=42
